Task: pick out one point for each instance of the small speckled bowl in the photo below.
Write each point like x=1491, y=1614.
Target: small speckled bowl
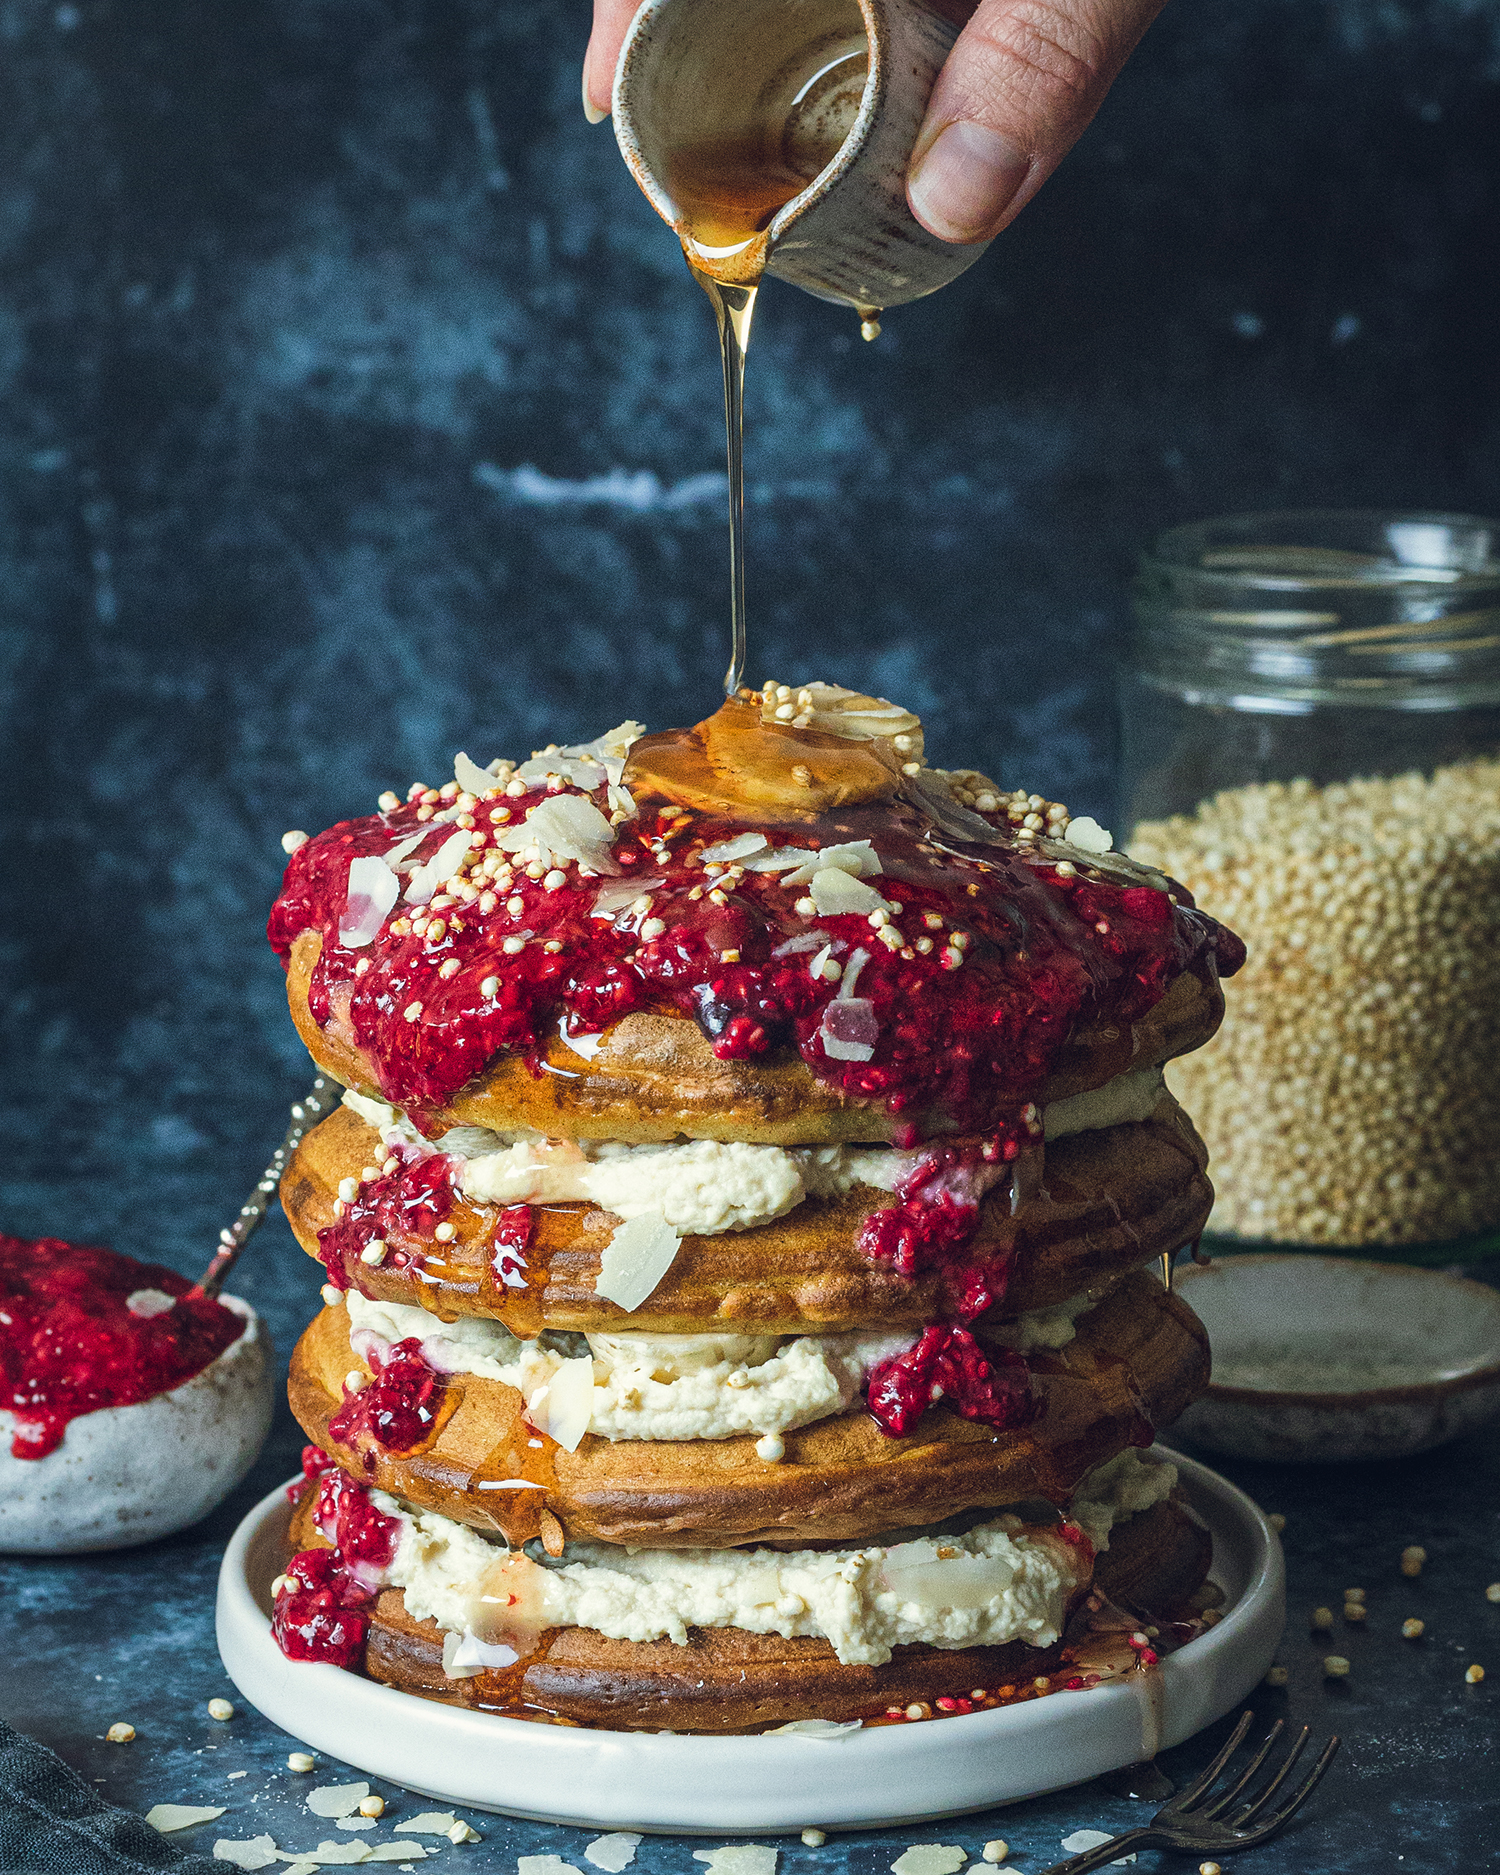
x=128, y=1474
x=1321, y=1358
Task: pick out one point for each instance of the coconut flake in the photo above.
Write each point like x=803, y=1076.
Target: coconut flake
x=393, y=856
x=337, y=1799
x=371, y=892
x=471, y=777
x=424, y=880
x=803, y=941
x=815, y=968
x=833, y=891
x=144, y=1303
x=853, y=856
x=563, y=827
x=858, y=958
x=586, y=764
x=960, y=1582
x=1082, y=1839
x=335, y=1852
x=740, y=847
x=429, y=1823
x=546, y=1865
x=817, y=1728
x=565, y=1405
x=738, y=1858
x=1085, y=832
x=849, y=1029
x=470, y=1655
x=254, y=1853
x=930, y=1858
x=782, y=859
x=635, y=1260
x=614, y=898
x=612, y=1853
x=165, y=1817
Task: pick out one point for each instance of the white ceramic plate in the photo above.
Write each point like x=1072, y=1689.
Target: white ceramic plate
x=1321, y=1358
x=719, y=1786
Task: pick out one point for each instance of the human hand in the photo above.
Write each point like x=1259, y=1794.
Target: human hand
x=1019, y=88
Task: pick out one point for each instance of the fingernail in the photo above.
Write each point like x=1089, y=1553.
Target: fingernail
x=591, y=110
x=965, y=182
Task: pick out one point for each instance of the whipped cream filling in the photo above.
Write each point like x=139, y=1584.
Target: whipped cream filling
x=641, y=1386
x=703, y=1187
x=996, y=1583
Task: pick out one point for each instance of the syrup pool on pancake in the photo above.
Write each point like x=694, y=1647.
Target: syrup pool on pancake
x=130, y=1404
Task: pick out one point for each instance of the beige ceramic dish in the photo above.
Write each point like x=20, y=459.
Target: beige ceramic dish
x=1321, y=1358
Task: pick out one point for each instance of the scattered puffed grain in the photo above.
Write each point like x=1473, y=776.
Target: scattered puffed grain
x=1335, y=1667
x=1277, y=1676
x=220, y=1709
x=1354, y=1595
x=372, y=1806
x=1412, y=1558
x=1209, y=1868
x=120, y=1733
x=1276, y=1521
x=1474, y=1674
x=996, y=1851
x=1412, y=1629
x=1492, y=1593
x=301, y=1761
x=1355, y=1611
x=1322, y=1617
x=814, y=1838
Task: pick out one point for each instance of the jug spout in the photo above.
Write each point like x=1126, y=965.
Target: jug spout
x=774, y=137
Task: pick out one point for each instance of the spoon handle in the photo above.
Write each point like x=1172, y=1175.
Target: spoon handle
x=324, y=1095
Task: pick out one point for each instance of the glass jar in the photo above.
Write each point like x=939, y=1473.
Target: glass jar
x=1311, y=743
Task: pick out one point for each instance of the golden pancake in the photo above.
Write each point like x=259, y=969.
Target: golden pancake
x=1138, y=1359
x=726, y=1680
x=656, y=1077
x=1108, y=1201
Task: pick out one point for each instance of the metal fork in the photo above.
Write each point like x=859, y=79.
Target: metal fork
x=1204, y=1822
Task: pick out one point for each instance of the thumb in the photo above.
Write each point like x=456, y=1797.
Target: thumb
x=1020, y=86
x=611, y=23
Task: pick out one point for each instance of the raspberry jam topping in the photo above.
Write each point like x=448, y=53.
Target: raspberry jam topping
x=397, y=1411
x=319, y=1612
x=72, y=1343
x=945, y=1000
x=401, y=1208
x=948, y=1364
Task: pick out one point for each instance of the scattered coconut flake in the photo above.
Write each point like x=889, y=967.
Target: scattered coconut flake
x=429, y=1823
x=337, y=1799
x=817, y=1728
x=635, y=1260
x=357, y=1822
x=148, y=1302
x=548, y=1864
x=783, y=859
x=803, y=941
x=471, y=777
x=858, y=958
x=422, y=881
x=621, y=801
x=849, y=1029
x=833, y=891
x=165, y=1817
x=563, y=827
x=1085, y=831
x=738, y=1858
x=407, y=1852
x=815, y=968
x=613, y=898
x=852, y=856
x=372, y=890
x=472, y=1655
x=563, y=1407
x=740, y=847
x=394, y=855
x=335, y=1852
x=613, y=1853
x=585, y=764
x=1082, y=1839
x=257, y=1852
x=930, y=1858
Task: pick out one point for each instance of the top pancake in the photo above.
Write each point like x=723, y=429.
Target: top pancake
x=654, y=1076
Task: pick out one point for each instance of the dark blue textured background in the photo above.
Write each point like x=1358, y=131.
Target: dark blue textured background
x=354, y=407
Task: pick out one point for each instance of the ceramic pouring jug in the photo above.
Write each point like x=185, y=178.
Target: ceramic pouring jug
x=798, y=79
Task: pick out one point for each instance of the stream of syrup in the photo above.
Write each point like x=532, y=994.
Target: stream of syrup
x=727, y=191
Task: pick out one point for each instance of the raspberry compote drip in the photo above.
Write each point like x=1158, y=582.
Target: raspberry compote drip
x=320, y=1606
x=1018, y=951
x=948, y=1364
x=397, y=1411
x=401, y=1208
x=70, y=1343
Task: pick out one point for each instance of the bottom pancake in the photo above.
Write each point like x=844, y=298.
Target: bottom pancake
x=728, y=1680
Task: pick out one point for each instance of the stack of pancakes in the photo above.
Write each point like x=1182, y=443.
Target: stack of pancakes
x=689, y=1374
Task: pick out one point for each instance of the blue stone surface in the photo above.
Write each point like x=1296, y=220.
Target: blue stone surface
x=355, y=408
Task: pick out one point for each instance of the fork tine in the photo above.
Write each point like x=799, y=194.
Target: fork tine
x=1222, y=1803
x=1299, y=1796
x=1243, y=1817
x=1190, y=1793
